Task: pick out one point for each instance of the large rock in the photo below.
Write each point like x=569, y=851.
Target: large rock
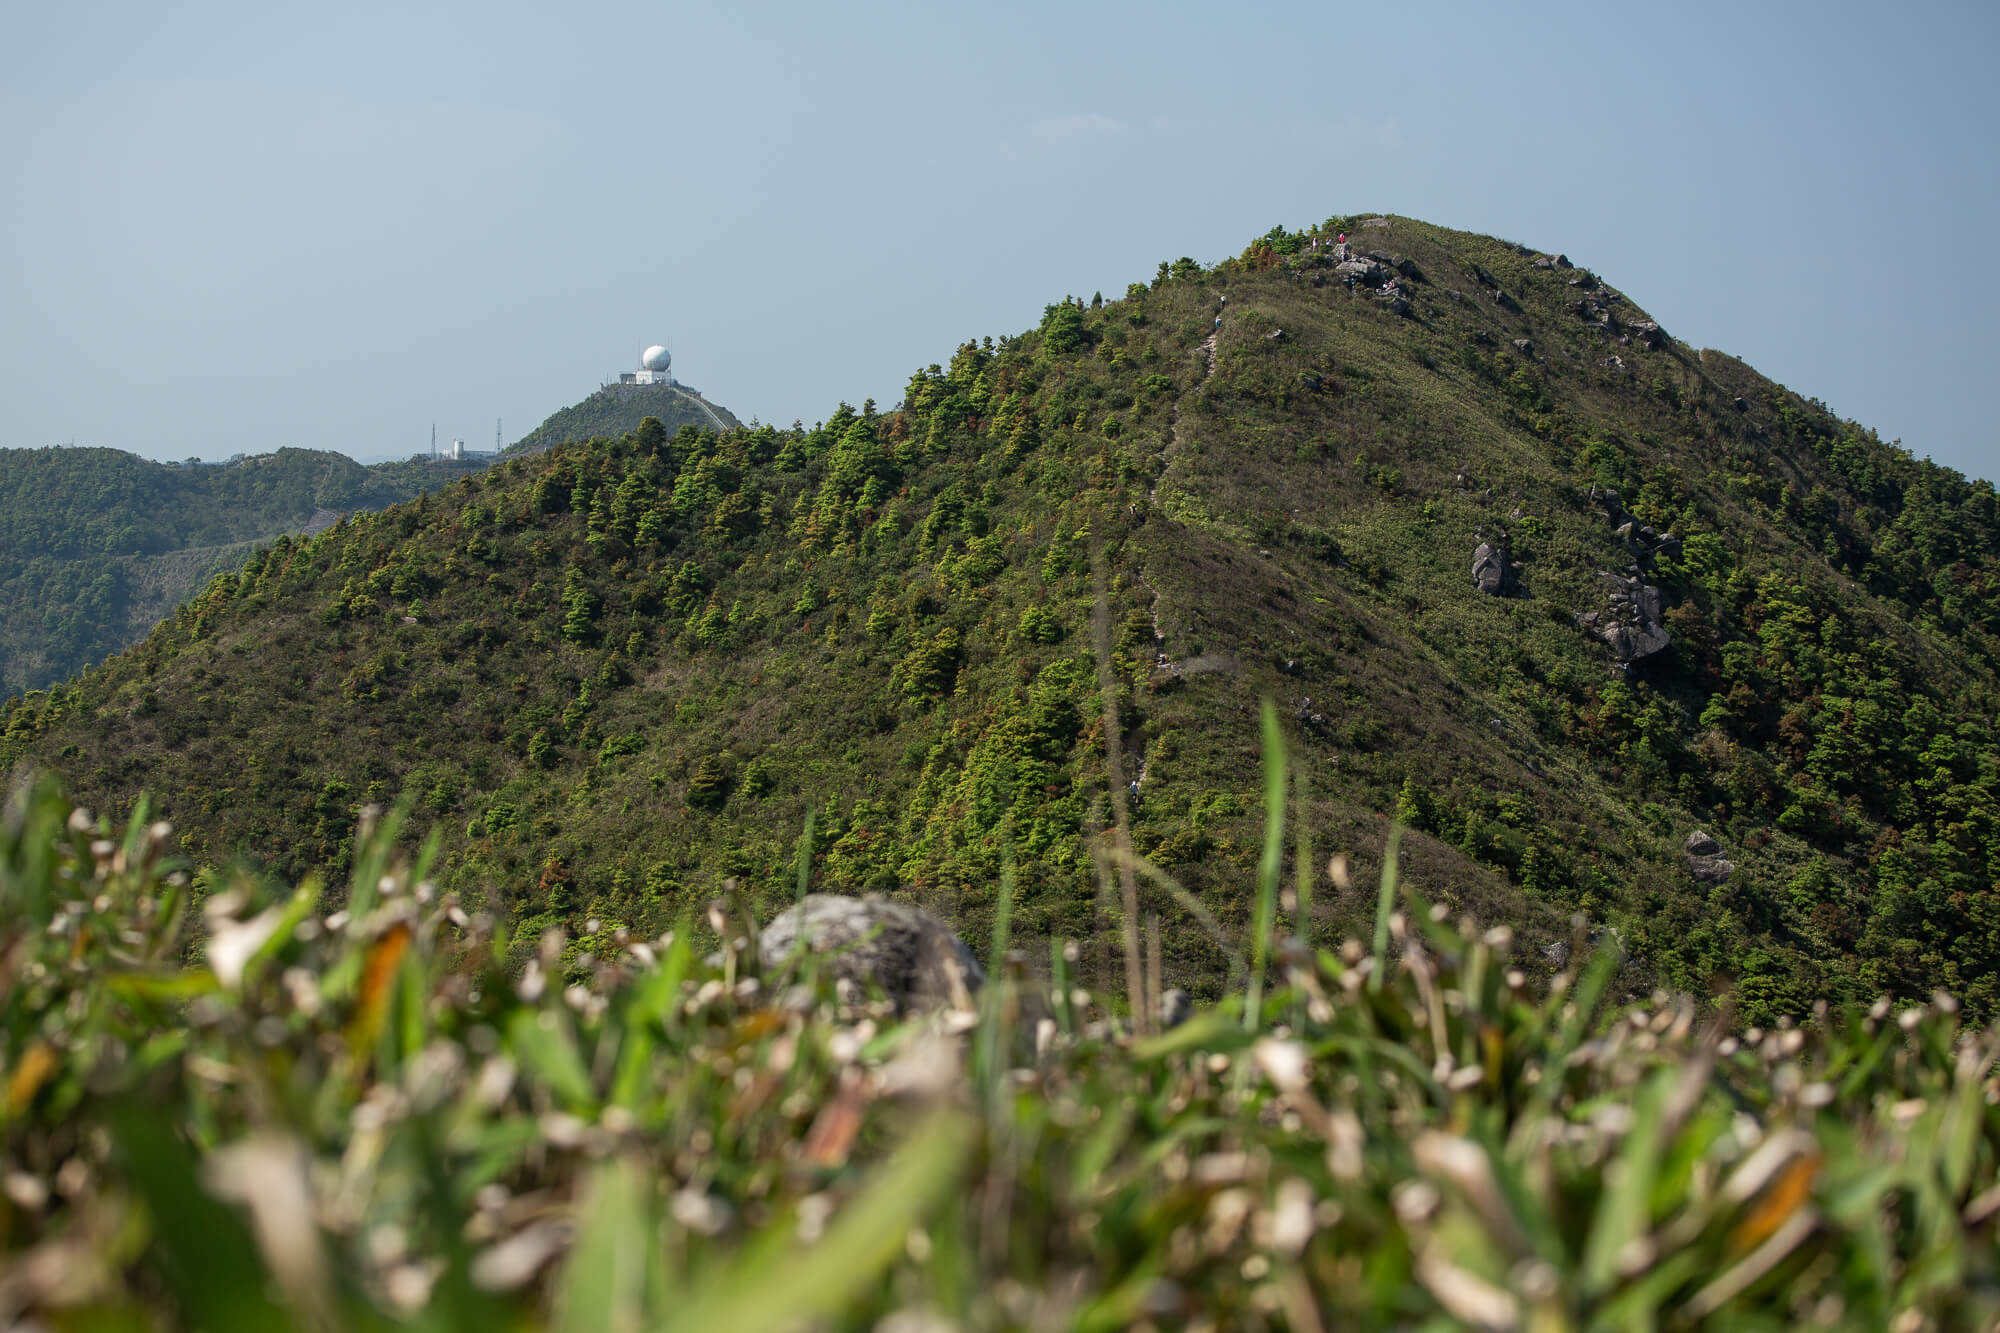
x=1361, y=270
x=1632, y=628
x=1489, y=569
x=911, y=956
x=1705, y=860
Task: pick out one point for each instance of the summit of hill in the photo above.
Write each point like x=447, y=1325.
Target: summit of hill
x=618, y=409
x=1613, y=625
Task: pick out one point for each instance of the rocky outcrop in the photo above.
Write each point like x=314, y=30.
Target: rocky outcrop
x=1705, y=860
x=872, y=943
x=1631, y=628
x=1360, y=270
x=1489, y=569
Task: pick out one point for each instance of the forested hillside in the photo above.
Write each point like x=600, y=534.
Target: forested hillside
x=1617, y=627
x=97, y=545
x=617, y=409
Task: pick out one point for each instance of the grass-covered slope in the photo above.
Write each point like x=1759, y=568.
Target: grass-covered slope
x=362, y=1119
x=617, y=409
x=625, y=671
x=97, y=545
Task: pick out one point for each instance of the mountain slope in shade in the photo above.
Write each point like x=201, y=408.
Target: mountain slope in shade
x=1617, y=627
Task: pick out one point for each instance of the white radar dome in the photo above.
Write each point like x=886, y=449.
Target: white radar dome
x=656, y=358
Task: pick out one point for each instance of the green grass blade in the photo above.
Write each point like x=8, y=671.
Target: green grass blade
x=604, y=1283
x=787, y=1288
x=1270, y=866
x=1385, y=905
x=805, y=861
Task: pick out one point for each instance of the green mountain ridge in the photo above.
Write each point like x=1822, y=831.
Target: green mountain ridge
x=98, y=545
x=621, y=673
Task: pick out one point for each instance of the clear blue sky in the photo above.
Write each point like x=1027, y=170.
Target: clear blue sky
x=225, y=228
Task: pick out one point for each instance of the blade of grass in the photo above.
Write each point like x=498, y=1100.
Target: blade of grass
x=1270, y=866
x=1302, y=861
x=1385, y=905
x=805, y=860
x=790, y=1288
x=604, y=1283
x=993, y=1000
x=1193, y=905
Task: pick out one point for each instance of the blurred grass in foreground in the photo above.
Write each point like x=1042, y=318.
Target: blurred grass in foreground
x=356, y=1118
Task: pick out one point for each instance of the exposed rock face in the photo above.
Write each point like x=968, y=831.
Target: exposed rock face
x=914, y=958
x=1705, y=860
x=1489, y=569
x=1525, y=346
x=1361, y=270
x=1632, y=628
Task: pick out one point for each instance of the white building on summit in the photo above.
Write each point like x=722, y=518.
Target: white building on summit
x=653, y=367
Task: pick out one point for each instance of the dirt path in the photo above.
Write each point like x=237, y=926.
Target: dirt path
x=1175, y=444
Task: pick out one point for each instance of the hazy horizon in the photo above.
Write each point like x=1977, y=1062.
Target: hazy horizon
x=230, y=230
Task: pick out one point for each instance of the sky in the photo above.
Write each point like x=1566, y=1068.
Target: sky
x=228, y=228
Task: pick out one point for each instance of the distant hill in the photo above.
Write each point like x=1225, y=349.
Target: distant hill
x=97, y=545
x=1614, y=626
x=617, y=409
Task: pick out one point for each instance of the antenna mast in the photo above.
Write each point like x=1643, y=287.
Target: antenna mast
x=434, y=442
x=496, y=435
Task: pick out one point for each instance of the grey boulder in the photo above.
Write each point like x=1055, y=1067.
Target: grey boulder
x=1632, y=628
x=1705, y=860
x=913, y=958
